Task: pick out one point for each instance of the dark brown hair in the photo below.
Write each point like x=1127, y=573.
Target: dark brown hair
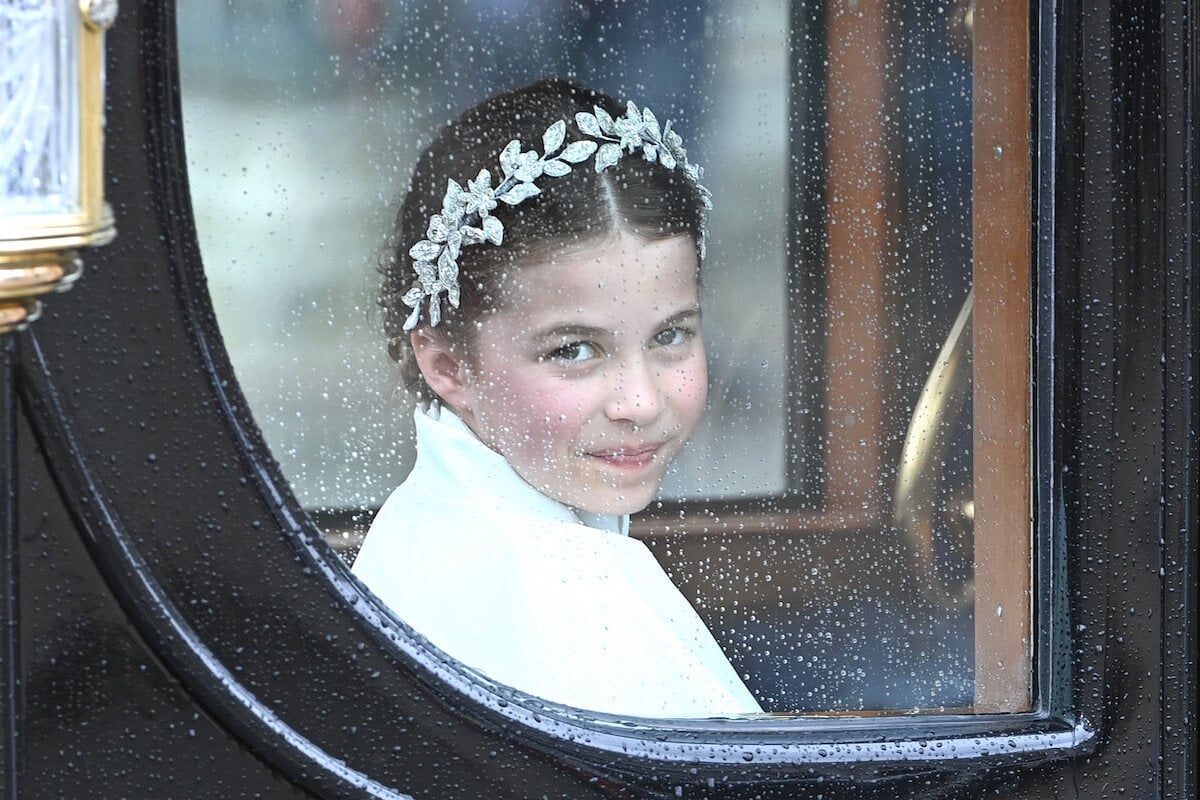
x=635, y=196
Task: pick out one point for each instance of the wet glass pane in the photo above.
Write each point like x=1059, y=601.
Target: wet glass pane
x=817, y=534
x=315, y=112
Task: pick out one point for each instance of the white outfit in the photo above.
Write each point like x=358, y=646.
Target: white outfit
x=555, y=602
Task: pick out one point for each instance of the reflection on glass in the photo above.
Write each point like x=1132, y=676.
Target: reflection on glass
x=837, y=141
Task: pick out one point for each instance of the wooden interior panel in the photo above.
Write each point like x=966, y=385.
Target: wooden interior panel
x=856, y=315
x=1002, y=248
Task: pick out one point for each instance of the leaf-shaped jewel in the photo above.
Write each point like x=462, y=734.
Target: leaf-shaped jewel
x=588, y=124
x=510, y=157
x=666, y=159
x=519, y=193
x=479, y=198
x=650, y=152
x=413, y=319
x=413, y=296
x=578, y=151
x=452, y=293
x=447, y=270
x=454, y=193
x=555, y=168
x=435, y=310
x=454, y=243
x=482, y=182
x=607, y=155
x=425, y=250
x=473, y=235
x=631, y=111
x=452, y=215
x=438, y=229
x=552, y=139
x=673, y=142
x=651, y=123
x=604, y=119
x=493, y=229
x=427, y=274
x=630, y=131
x=529, y=168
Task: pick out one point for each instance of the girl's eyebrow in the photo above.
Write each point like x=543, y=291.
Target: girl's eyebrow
x=569, y=329
x=679, y=316
x=576, y=330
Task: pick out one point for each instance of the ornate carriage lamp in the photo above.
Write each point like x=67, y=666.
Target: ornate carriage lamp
x=51, y=147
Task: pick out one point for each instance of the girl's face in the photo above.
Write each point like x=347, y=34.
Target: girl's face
x=592, y=375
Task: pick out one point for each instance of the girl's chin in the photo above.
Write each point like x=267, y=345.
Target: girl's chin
x=607, y=494
x=608, y=502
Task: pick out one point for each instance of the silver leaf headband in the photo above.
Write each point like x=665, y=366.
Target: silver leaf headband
x=467, y=218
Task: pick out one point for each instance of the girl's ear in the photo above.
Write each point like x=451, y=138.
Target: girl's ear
x=444, y=369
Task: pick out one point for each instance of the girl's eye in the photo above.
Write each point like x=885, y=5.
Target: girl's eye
x=573, y=352
x=671, y=336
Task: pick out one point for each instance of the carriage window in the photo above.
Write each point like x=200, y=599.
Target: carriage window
x=851, y=518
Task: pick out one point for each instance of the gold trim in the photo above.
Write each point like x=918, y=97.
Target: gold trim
x=58, y=232
x=16, y=315
x=924, y=445
x=91, y=121
x=98, y=15
x=26, y=276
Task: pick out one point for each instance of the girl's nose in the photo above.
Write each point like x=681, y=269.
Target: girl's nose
x=635, y=396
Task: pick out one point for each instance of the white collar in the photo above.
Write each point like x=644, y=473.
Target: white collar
x=446, y=446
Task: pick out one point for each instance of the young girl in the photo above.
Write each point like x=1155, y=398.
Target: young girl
x=546, y=318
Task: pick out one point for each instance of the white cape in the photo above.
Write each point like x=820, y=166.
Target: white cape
x=557, y=603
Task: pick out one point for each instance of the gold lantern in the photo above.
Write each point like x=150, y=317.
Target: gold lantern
x=51, y=147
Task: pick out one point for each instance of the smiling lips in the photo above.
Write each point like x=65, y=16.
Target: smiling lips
x=634, y=457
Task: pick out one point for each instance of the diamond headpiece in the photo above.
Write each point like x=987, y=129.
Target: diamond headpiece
x=467, y=218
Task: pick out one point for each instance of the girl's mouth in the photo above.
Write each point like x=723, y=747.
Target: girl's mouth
x=631, y=457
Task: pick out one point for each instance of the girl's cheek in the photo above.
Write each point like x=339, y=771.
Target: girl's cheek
x=692, y=391
x=552, y=417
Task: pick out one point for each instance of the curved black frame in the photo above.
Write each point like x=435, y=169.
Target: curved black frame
x=156, y=457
